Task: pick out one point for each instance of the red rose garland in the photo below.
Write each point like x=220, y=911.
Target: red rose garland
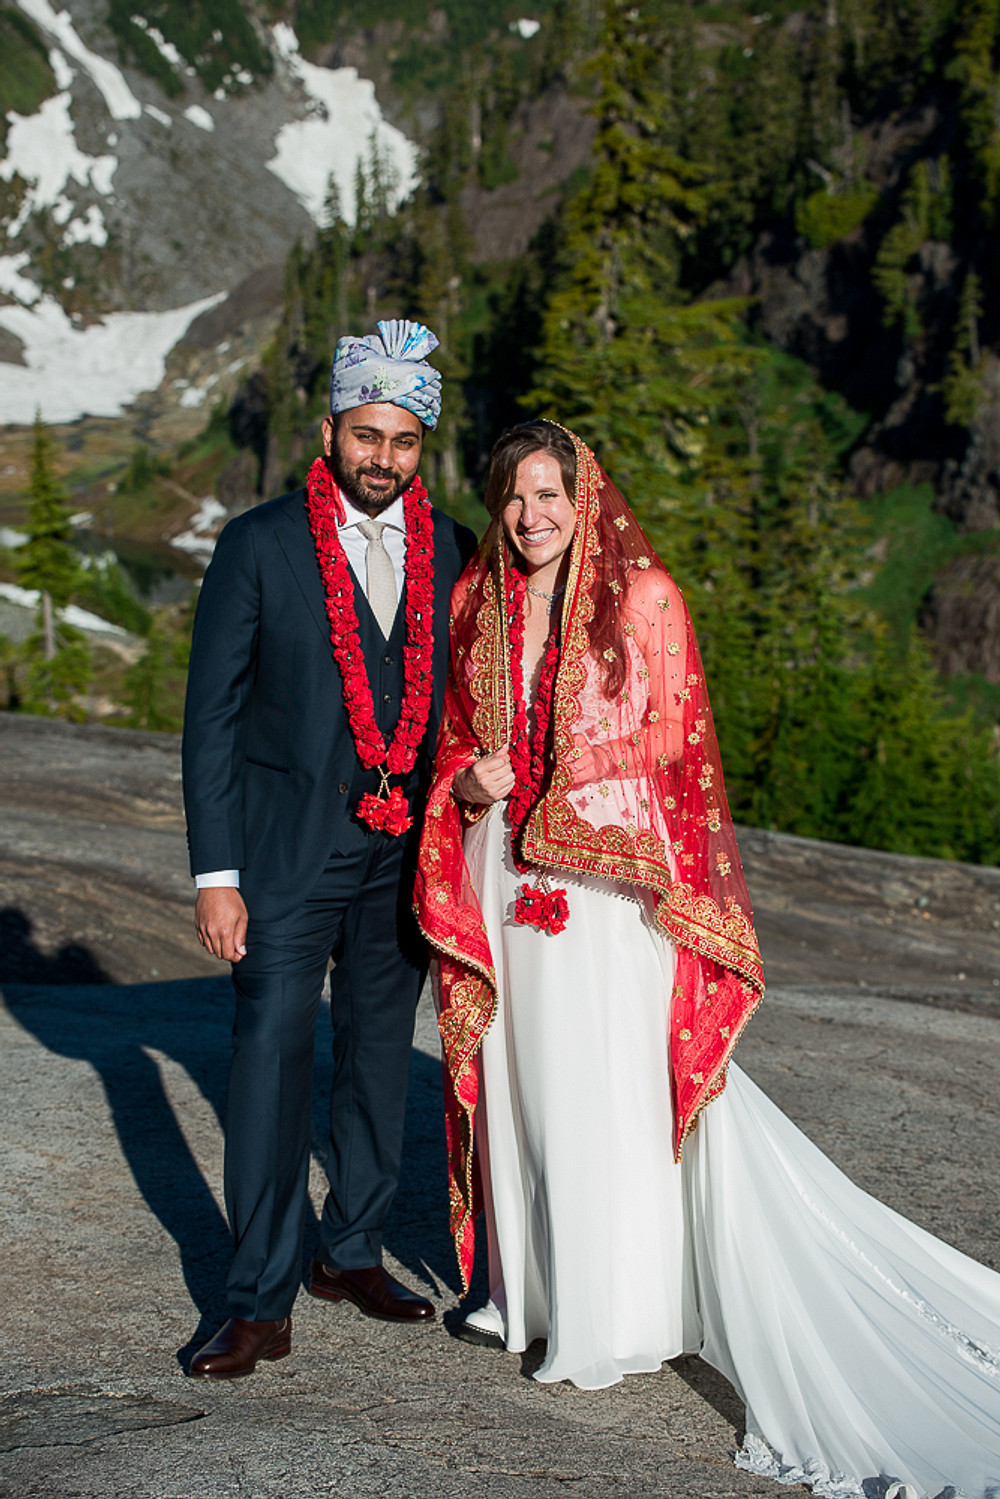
x=534, y=906
x=387, y=810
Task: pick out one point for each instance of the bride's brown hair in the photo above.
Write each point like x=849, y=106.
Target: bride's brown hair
x=607, y=640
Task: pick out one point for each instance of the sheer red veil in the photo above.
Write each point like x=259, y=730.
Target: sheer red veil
x=634, y=794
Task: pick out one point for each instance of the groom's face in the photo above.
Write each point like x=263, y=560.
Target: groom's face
x=374, y=452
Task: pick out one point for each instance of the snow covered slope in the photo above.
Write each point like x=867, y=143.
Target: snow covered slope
x=133, y=205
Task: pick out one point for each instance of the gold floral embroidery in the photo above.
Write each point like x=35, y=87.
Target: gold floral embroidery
x=621, y=522
x=654, y=716
x=684, y=1035
x=643, y=562
x=673, y=648
x=663, y=605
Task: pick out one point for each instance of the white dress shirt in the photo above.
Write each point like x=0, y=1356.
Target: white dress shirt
x=356, y=550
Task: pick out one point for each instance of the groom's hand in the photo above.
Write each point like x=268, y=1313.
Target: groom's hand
x=220, y=919
x=487, y=780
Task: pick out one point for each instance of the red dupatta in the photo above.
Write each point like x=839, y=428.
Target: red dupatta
x=635, y=795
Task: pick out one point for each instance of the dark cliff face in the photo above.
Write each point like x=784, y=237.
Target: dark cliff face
x=962, y=617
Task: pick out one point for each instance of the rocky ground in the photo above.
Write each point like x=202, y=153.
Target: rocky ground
x=880, y=1037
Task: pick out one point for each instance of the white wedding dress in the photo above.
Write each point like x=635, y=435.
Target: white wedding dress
x=862, y=1346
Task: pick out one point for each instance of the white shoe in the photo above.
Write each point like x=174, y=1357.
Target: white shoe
x=483, y=1327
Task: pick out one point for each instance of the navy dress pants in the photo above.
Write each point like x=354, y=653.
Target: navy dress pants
x=359, y=914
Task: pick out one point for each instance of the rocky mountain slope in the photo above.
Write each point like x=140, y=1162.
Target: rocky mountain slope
x=132, y=204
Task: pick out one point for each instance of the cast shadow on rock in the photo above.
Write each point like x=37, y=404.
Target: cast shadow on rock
x=118, y=1030
x=115, y=1028
x=714, y=1388
x=22, y=962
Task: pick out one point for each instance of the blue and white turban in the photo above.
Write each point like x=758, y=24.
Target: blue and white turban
x=389, y=366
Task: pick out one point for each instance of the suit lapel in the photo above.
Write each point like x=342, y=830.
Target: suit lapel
x=295, y=539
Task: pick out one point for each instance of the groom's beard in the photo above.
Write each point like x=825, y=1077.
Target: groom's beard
x=372, y=498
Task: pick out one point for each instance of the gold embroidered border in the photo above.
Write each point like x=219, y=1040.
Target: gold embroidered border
x=488, y=678
x=717, y=1082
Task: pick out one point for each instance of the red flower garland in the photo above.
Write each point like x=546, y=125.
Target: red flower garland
x=325, y=508
x=545, y=909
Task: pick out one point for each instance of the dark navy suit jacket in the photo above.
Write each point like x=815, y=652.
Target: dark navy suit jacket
x=271, y=777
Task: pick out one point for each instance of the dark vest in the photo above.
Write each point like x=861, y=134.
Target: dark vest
x=384, y=661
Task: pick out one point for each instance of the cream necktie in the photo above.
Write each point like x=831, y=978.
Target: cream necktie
x=381, y=576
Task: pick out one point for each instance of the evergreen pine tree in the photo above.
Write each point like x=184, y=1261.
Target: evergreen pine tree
x=46, y=561
x=625, y=358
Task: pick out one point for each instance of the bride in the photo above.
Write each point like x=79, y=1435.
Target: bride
x=596, y=962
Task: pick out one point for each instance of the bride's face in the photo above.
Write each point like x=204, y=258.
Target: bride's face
x=539, y=519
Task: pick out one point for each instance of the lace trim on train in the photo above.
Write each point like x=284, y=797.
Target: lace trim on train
x=758, y=1456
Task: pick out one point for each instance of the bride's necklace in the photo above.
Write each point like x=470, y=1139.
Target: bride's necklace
x=549, y=598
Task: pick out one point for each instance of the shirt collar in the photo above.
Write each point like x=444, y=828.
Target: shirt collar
x=394, y=514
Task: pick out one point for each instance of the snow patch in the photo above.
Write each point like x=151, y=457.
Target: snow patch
x=97, y=370
x=199, y=117
x=89, y=230
x=526, y=28
x=80, y=619
x=336, y=134
x=64, y=74
x=12, y=283
x=160, y=115
x=12, y=539
x=122, y=103
x=166, y=49
x=196, y=542
x=42, y=149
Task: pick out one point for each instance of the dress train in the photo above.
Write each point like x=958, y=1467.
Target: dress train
x=863, y=1347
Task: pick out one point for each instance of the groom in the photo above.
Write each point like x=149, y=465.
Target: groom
x=315, y=691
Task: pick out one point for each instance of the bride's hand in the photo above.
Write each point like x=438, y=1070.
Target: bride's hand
x=590, y=762
x=487, y=780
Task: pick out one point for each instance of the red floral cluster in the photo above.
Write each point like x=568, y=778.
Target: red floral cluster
x=325, y=509
x=393, y=815
x=546, y=909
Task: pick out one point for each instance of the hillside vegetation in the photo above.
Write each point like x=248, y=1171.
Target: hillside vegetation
x=752, y=258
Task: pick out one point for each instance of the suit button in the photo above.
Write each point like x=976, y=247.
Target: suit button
x=343, y=788
x=388, y=660
x=387, y=697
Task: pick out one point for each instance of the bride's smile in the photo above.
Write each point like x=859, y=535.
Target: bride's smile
x=539, y=519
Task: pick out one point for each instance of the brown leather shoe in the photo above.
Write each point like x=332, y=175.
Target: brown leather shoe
x=237, y=1346
x=373, y=1290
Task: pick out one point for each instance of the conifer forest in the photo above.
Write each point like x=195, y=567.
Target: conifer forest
x=765, y=290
